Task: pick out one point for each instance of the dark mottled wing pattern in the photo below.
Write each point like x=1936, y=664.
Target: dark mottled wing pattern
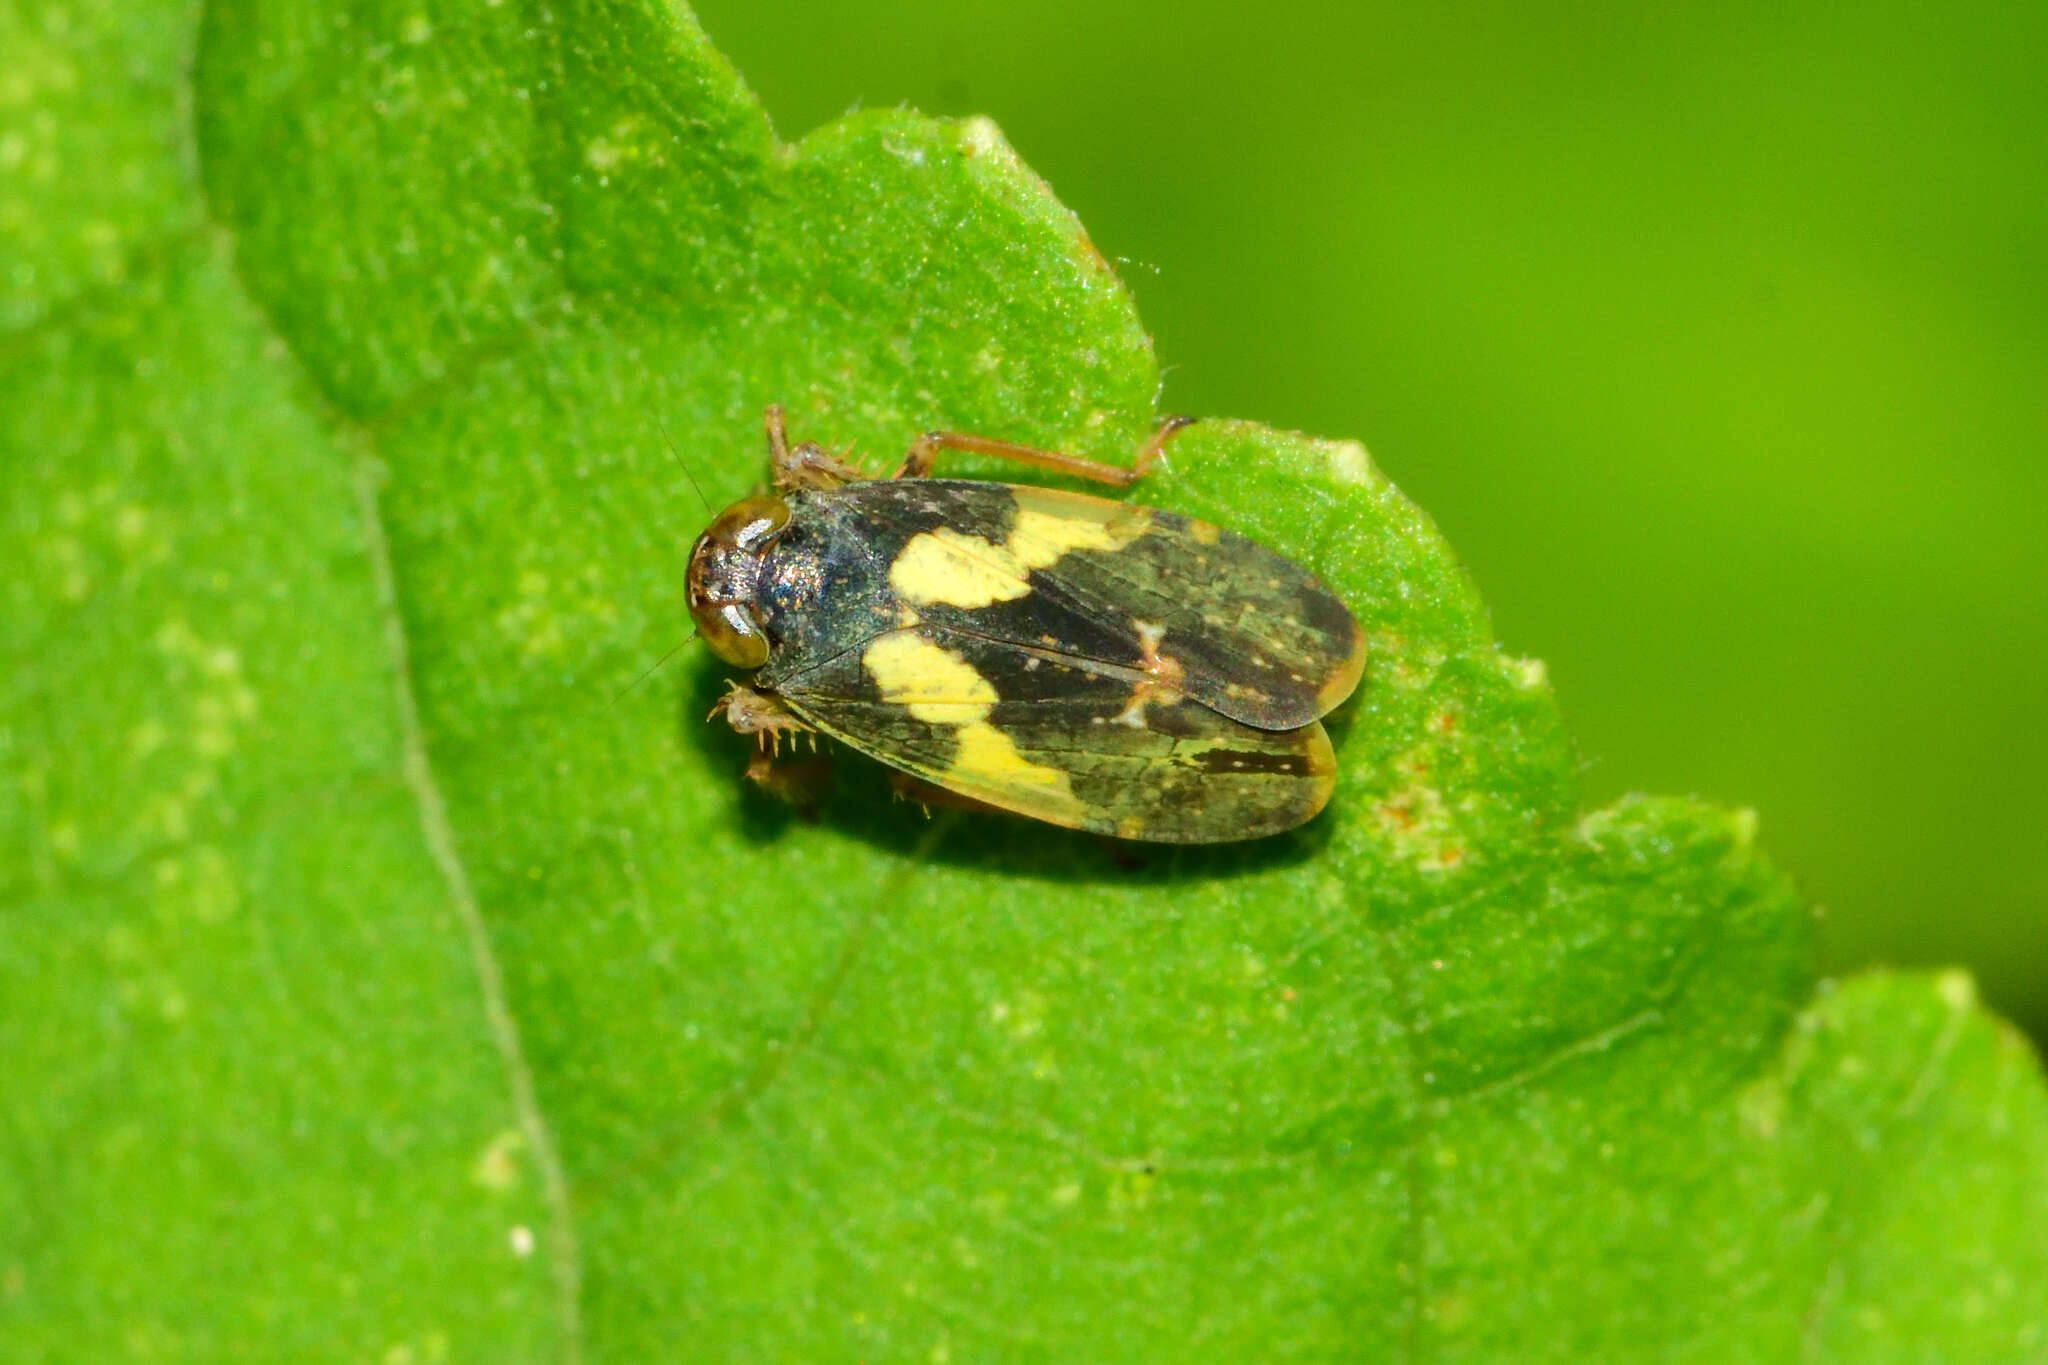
x=1255, y=636
x=1061, y=739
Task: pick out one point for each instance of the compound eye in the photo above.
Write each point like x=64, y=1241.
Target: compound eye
x=724, y=565
x=751, y=522
x=732, y=635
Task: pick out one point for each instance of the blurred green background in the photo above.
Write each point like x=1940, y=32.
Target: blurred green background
x=1715, y=337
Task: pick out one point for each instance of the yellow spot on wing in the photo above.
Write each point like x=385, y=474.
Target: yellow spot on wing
x=936, y=685
x=953, y=569
x=987, y=758
x=933, y=683
x=1038, y=539
x=956, y=570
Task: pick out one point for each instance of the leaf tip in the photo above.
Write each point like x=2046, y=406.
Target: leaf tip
x=1530, y=675
x=1350, y=463
x=1957, y=989
x=979, y=136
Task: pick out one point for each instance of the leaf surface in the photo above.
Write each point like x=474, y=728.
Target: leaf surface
x=377, y=987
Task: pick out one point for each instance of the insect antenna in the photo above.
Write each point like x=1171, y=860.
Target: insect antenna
x=694, y=485
x=673, y=651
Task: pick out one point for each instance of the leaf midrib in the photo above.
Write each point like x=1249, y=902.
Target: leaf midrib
x=416, y=767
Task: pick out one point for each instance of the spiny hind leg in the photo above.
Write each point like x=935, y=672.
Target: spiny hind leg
x=924, y=452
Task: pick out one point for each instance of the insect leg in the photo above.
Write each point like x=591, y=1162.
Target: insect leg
x=802, y=783
x=804, y=465
x=778, y=436
x=929, y=794
x=917, y=462
x=757, y=713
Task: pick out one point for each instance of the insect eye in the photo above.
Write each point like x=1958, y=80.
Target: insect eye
x=751, y=523
x=732, y=634
x=723, y=565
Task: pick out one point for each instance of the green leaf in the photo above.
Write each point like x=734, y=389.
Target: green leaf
x=374, y=987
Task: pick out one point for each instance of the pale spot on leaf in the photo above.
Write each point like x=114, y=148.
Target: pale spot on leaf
x=497, y=1166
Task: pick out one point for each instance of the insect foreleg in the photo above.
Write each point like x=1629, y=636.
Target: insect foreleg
x=757, y=713
x=802, y=783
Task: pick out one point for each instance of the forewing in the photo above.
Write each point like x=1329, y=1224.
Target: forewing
x=1036, y=733
x=1247, y=632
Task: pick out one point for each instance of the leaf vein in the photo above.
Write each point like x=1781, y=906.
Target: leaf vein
x=564, y=1261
